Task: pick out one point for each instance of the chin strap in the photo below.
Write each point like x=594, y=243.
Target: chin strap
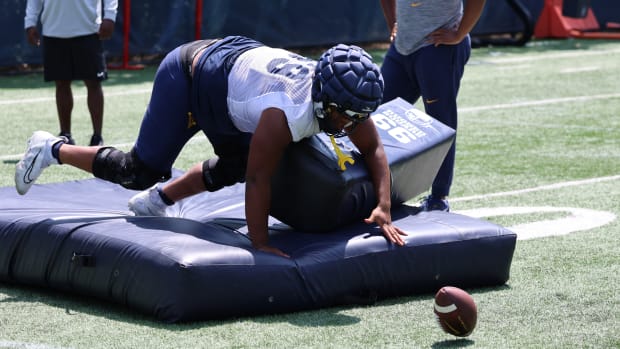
x=342, y=158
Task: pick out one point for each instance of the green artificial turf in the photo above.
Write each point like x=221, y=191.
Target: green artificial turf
x=539, y=127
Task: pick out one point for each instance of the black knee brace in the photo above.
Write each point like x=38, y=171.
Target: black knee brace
x=220, y=172
x=126, y=169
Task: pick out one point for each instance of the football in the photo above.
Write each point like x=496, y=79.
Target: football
x=456, y=311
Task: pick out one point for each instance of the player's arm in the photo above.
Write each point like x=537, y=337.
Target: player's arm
x=269, y=141
x=471, y=14
x=33, y=10
x=367, y=141
x=106, y=29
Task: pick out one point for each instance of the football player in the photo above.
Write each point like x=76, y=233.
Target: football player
x=251, y=101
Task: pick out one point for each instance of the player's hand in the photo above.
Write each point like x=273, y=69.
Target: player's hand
x=383, y=219
x=269, y=249
x=106, y=29
x=393, y=33
x=445, y=37
x=33, y=36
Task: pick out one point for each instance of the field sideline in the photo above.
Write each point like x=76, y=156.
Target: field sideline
x=538, y=151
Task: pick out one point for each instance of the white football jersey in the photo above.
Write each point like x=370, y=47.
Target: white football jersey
x=266, y=77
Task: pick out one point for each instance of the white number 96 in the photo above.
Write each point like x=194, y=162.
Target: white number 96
x=398, y=133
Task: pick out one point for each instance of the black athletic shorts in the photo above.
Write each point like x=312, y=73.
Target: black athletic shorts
x=79, y=58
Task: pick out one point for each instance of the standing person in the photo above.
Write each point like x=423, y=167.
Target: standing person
x=430, y=46
x=251, y=101
x=72, y=50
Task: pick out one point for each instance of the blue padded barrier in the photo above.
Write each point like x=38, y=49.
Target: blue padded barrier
x=202, y=266
x=311, y=193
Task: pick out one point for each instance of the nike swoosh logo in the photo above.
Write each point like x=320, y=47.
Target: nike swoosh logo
x=431, y=101
x=27, y=178
x=416, y=4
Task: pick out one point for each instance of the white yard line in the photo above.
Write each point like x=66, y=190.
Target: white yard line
x=497, y=59
x=540, y=102
x=198, y=138
x=539, y=188
x=574, y=220
x=24, y=345
x=77, y=96
x=544, y=56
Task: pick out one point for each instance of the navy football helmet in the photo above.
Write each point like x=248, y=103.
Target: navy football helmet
x=347, y=80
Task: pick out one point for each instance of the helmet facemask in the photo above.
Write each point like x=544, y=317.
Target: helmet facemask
x=323, y=112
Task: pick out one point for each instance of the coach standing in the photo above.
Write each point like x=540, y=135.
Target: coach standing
x=72, y=50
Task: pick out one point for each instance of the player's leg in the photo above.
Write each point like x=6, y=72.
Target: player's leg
x=163, y=133
x=166, y=127
x=155, y=200
x=231, y=146
x=159, y=150
x=108, y=163
x=38, y=154
x=439, y=71
x=226, y=169
x=36, y=158
x=399, y=77
x=210, y=175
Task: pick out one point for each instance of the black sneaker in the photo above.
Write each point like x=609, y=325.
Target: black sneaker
x=431, y=203
x=96, y=140
x=67, y=135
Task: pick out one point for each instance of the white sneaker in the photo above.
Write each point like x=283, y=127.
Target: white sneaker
x=148, y=203
x=38, y=156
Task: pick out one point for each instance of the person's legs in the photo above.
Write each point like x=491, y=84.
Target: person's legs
x=408, y=77
x=398, y=76
x=439, y=71
x=57, y=67
x=89, y=66
x=64, y=106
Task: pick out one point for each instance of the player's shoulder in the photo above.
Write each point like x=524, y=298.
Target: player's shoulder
x=267, y=52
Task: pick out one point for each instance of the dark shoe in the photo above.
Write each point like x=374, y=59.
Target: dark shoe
x=66, y=135
x=431, y=203
x=96, y=140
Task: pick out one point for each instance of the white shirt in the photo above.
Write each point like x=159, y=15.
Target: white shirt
x=416, y=20
x=266, y=77
x=69, y=18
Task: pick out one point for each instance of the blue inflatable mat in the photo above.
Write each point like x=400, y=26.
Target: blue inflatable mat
x=79, y=237
x=199, y=264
